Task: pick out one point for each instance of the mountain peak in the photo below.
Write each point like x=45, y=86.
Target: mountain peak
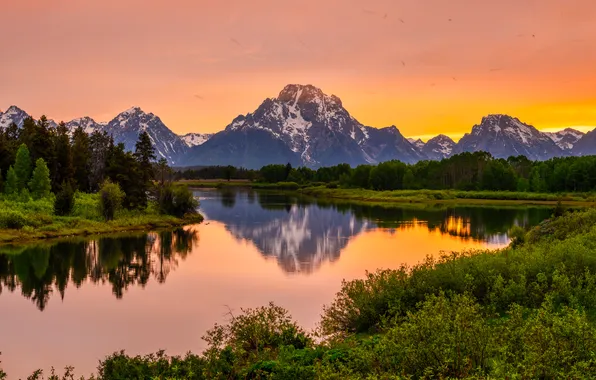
x=301, y=94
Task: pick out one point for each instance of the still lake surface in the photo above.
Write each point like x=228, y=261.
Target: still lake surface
x=75, y=301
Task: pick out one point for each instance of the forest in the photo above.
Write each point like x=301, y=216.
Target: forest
x=56, y=183
x=466, y=172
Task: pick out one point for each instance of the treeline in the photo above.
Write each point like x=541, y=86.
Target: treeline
x=465, y=171
x=65, y=163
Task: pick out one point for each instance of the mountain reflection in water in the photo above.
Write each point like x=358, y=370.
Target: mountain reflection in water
x=302, y=233
x=121, y=260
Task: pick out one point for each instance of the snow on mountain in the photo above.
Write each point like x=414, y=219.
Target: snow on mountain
x=194, y=139
x=504, y=136
x=438, y=147
x=566, y=138
x=12, y=115
x=126, y=127
x=89, y=125
x=418, y=143
x=314, y=129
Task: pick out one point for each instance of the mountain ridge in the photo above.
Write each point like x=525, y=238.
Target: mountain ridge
x=304, y=126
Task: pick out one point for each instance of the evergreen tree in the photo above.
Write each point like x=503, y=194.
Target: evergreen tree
x=81, y=159
x=11, y=186
x=123, y=169
x=64, y=200
x=100, y=144
x=63, y=168
x=22, y=167
x=40, y=184
x=145, y=156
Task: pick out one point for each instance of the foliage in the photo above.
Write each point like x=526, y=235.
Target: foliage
x=40, y=183
x=64, y=200
x=177, y=200
x=11, y=186
x=110, y=199
x=22, y=167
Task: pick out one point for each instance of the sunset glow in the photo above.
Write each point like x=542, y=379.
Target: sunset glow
x=428, y=67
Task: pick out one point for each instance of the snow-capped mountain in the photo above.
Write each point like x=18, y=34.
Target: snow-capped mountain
x=566, y=138
x=12, y=115
x=194, y=139
x=418, y=143
x=305, y=126
x=89, y=125
x=504, y=136
x=126, y=127
x=438, y=147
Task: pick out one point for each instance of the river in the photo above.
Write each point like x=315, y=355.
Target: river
x=74, y=301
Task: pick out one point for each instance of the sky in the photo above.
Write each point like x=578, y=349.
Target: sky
x=425, y=66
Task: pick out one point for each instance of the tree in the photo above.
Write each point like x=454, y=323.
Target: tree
x=110, y=199
x=123, y=169
x=229, y=172
x=40, y=184
x=288, y=170
x=12, y=182
x=163, y=171
x=81, y=157
x=409, y=180
x=63, y=168
x=100, y=144
x=64, y=200
x=22, y=167
x=145, y=156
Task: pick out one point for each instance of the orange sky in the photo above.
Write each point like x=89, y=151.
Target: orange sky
x=199, y=63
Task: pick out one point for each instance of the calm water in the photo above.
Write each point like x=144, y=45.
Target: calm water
x=75, y=301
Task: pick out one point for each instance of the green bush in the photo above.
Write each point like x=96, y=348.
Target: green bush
x=110, y=200
x=177, y=200
x=12, y=219
x=64, y=200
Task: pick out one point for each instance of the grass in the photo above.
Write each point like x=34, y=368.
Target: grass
x=450, y=196
x=22, y=221
x=407, y=196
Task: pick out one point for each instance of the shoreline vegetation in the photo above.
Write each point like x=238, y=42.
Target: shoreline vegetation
x=55, y=183
x=525, y=311
x=404, y=196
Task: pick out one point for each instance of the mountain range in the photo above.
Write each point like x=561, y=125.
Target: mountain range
x=304, y=126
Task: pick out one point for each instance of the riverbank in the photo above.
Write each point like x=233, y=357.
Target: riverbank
x=409, y=196
x=22, y=222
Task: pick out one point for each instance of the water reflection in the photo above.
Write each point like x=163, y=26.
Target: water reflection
x=122, y=261
x=302, y=233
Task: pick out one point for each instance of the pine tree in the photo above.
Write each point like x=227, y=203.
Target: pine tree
x=63, y=169
x=145, y=156
x=40, y=183
x=12, y=182
x=100, y=144
x=22, y=167
x=81, y=159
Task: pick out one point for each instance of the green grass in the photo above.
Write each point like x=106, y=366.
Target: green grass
x=35, y=219
x=454, y=196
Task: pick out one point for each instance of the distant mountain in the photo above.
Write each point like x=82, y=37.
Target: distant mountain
x=566, y=138
x=12, y=115
x=504, y=136
x=304, y=126
x=418, y=143
x=126, y=127
x=89, y=125
x=585, y=146
x=194, y=139
x=438, y=147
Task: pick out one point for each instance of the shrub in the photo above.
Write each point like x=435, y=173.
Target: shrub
x=110, y=200
x=64, y=200
x=12, y=219
x=177, y=200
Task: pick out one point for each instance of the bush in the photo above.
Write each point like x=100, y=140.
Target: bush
x=110, y=199
x=12, y=219
x=64, y=200
x=177, y=200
